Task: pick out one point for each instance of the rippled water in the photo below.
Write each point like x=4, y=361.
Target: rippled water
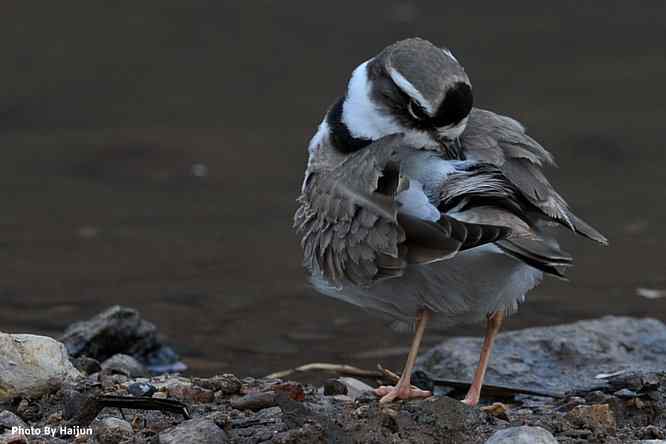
x=152, y=157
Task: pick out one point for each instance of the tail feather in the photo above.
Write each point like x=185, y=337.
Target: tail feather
x=583, y=228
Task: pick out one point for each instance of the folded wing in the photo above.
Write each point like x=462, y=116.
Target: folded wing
x=354, y=232
x=502, y=141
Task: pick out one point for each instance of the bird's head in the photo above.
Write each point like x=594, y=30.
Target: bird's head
x=411, y=87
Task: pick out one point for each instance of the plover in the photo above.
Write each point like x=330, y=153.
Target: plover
x=423, y=208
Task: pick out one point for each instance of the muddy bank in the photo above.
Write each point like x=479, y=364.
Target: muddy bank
x=116, y=399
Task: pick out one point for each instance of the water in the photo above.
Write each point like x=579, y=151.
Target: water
x=152, y=157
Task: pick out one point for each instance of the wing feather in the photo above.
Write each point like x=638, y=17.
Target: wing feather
x=502, y=141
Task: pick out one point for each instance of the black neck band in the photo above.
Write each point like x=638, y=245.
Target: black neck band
x=340, y=136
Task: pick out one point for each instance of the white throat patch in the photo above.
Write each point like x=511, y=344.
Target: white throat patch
x=360, y=114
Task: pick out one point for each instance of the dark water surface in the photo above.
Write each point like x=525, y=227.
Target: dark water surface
x=152, y=154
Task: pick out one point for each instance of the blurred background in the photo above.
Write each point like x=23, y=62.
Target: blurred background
x=152, y=153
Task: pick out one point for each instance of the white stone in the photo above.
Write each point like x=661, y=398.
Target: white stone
x=29, y=364
x=522, y=435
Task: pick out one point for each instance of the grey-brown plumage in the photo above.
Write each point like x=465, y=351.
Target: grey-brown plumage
x=502, y=141
x=484, y=201
x=353, y=232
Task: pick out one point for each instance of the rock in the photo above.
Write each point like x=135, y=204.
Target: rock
x=597, y=397
x=124, y=365
x=255, y=401
x=32, y=365
x=141, y=389
x=86, y=365
x=79, y=407
x=291, y=390
x=227, y=383
x=563, y=358
x=651, y=432
x=113, y=431
x=184, y=390
x=29, y=410
x=625, y=394
x=522, y=435
x=357, y=389
x=596, y=417
x=194, y=431
x=9, y=420
x=121, y=330
x=12, y=438
x=496, y=409
x=333, y=387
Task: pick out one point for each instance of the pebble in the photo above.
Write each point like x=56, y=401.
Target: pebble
x=574, y=401
x=625, y=393
x=333, y=387
x=160, y=395
x=186, y=391
x=598, y=397
x=124, y=365
x=522, y=435
x=254, y=401
x=652, y=432
x=358, y=390
x=497, y=409
x=227, y=383
x=9, y=420
x=141, y=389
x=112, y=430
x=30, y=411
x=596, y=417
x=194, y=431
x=86, y=365
x=294, y=391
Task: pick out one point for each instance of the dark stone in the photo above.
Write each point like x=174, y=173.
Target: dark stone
x=86, y=365
x=334, y=387
x=255, y=401
x=141, y=389
x=194, y=431
x=124, y=365
x=120, y=330
x=79, y=408
x=29, y=410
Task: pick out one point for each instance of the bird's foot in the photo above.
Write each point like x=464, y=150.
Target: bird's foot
x=472, y=398
x=389, y=393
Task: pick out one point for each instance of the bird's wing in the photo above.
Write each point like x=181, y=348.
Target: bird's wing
x=502, y=141
x=480, y=193
x=353, y=230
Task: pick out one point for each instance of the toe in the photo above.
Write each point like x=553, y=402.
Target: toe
x=383, y=390
x=470, y=401
x=418, y=393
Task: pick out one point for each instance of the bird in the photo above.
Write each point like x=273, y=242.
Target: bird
x=420, y=207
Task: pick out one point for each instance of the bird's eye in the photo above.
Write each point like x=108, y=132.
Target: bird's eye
x=416, y=111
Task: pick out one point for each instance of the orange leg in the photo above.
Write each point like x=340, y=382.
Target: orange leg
x=404, y=389
x=492, y=328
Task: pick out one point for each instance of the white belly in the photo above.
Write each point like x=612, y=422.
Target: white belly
x=463, y=289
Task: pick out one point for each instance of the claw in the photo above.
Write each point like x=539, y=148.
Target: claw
x=389, y=393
